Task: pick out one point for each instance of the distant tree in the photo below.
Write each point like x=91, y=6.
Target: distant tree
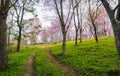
x=10, y=24
x=44, y=36
x=34, y=30
x=76, y=20
x=54, y=31
x=21, y=7
x=93, y=14
x=103, y=23
x=81, y=18
x=78, y=16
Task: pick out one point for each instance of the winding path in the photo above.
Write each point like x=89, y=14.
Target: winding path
x=66, y=69
x=30, y=66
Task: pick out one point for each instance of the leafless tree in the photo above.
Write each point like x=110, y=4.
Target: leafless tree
x=65, y=24
x=93, y=14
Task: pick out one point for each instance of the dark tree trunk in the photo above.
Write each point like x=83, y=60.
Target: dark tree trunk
x=64, y=44
x=115, y=24
x=81, y=35
x=95, y=32
x=9, y=32
x=19, y=40
x=76, y=37
x=118, y=12
x=116, y=29
x=117, y=38
x=96, y=36
x=3, y=42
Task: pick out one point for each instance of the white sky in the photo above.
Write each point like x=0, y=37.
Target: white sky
x=45, y=16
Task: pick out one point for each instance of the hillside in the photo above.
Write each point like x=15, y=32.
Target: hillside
x=88, y=58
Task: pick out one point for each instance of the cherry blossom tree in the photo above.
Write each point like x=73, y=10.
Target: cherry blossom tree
x=34, y=30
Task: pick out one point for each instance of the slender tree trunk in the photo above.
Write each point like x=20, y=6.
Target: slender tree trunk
x=95, y=32
x=80, y=35
x=96, y=36
x=76, y=37
x=19, y=40
x=3, y=43
x=9, y=32
x=64, y=44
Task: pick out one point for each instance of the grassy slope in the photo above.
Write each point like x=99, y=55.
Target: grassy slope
x=89, y=58
x=17, y=61
x=44, y=66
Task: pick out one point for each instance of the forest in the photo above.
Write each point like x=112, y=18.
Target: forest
x=59, y=37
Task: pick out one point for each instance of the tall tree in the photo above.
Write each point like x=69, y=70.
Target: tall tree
x=81, y=17
x=76, y=20
x=78, y=16
x=93, y=14
x=5, y=5
x=65, y=24
x=114, y=21
x=21, y=7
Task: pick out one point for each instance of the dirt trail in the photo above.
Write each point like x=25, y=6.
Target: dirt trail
x=66, y=69
x=30, y=66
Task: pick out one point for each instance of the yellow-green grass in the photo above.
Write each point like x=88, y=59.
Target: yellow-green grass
x=90, y=58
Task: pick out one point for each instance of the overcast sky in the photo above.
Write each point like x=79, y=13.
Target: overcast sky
x=46, y=15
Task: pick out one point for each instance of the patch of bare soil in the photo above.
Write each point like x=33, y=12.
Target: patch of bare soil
x=68, y=71
x=30, y=66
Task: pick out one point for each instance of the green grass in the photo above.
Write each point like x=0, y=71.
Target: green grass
x=45, y=67
x=89, y=58
x=17, y=61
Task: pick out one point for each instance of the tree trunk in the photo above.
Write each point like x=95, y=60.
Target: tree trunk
x=76, y=37
x=115, y=24
x=19, y=40
x=116, y=29
x=117, y=39
x=64, y=44
x=8, y=41
x=118, y=12
x=95, y=33
x=81, y=35
x=3, y=43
